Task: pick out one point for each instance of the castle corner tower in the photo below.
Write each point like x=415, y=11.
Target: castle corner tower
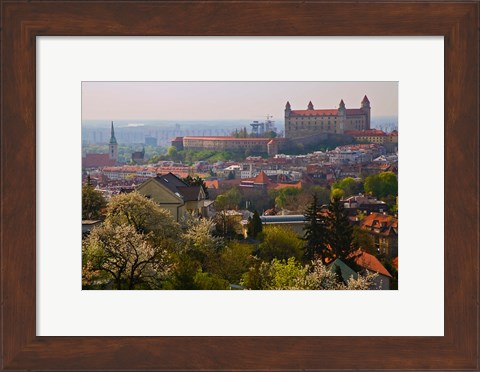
x=366, y=109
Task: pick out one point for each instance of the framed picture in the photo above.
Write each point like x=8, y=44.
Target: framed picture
x=24, y=346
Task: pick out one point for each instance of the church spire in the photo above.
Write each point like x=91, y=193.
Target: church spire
x=113, y=140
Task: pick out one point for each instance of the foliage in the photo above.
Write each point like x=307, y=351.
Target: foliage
x=340, y=232
x=228, y=200
x=129, y=258
x=208, y=281
x=223, y=202
x=337, y=194
x=92, y=202
x=349, y=185
x=199, y=243
x=287, y=196
x=382, y=184
x=315, y=231
x=289, y=274
x=234, y=260
x=280, y=243
x=143, y=214
x=255, y=225
x=361, y=239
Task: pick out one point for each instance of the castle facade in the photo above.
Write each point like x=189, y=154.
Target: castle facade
x=305, y=123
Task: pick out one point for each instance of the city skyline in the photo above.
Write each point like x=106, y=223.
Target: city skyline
x=252, y=100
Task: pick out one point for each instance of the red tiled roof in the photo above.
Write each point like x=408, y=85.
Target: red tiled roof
x=97, y=161
x=297, y=185
x=374, y=221
x=262, y=178
x=370, y=262
x=395, y=262
x=327, y=112
x=212, y=184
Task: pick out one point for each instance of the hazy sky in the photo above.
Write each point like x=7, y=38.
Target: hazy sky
x=227, y=100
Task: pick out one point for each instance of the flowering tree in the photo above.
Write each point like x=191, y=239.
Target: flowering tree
x=143, y=214
x=290, y=274
x=198, y=239
x=127, y=257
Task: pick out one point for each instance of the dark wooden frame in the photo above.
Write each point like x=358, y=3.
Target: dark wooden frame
x=459, y=23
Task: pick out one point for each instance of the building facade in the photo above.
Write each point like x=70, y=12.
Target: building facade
x=269, y=146
x=305, y=123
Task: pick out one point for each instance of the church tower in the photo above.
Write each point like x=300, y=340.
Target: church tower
x=113, y=146
x=366, y=109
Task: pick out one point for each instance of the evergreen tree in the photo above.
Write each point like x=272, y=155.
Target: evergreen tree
x=315, y=232
x=340, y=232
x=254, y=225
x=92, y=202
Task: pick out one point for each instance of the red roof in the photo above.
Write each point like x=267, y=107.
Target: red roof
x=327, y=112
x=297, y=185
x=97, y=161
x=395, y=262
x=380, y=223
x=262, y=178
x=212, y=184
x=370, y=262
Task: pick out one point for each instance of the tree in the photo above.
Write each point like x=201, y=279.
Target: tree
x=288, y=198
x=255, y=225
x=130, y=259
x=361, y=239
x=281, y=243
x=349, y=185
x=337, y=194
x=382, y=184
x=340, y=232
x=199, y=243
x=290, y=274
x=173, y=153
x=224, y=202
x=315, y=232
x=234, y=260
x=92, y=202
x=143, y=214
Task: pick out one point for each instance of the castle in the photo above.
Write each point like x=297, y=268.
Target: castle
x=305, y=123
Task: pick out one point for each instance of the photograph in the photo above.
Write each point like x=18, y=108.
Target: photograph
x=241, y=185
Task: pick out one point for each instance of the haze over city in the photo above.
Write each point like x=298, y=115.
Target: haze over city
x=227, y=100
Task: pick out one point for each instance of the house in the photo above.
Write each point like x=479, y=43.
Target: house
x=363, y=203
x=366, y=261
x=384, y=230
x=171, y=193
